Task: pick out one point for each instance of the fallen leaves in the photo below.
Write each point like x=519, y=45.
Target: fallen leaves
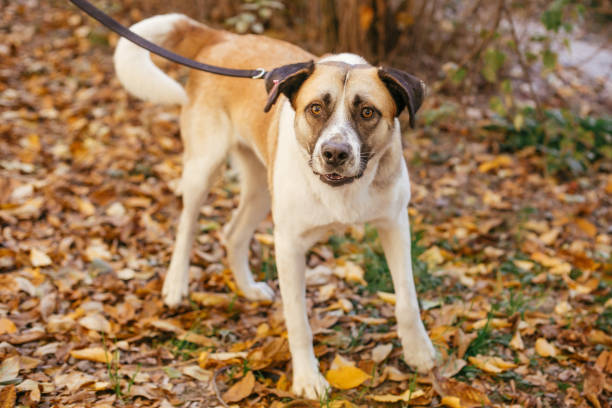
x=469, y=397
x=7, y=326
x=344, y=375
x=491, y=365
x=381, y=352
x=544, y=348
x=241, y=389
x=407, y=396
x=39, y=258
x=512, y=267
x=92, y=354
x=8, y=396
x=9, y=369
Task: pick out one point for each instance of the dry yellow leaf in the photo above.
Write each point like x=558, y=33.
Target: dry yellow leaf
x=380, y=352
x=544, y=348
x=7, y=326
x=95, y=322
x=263, y=330
x=469, y=396
x=550, y=237
x=451, y=402
x=608, y=188
x=599, y=337
x=346, y=377
x=283, y=383
x=350, y=272
x=517, y=342
x=586, y=226
x=405, y=396
x=85, y=206
x=39, y=258
x=241, y=389
x=92, y=354
x=503, y=160
x=526, y=265
x=432, y=257
x=393, y=374
x=491, y=365
x=211, y=298
x=386, y=297
x=265, y=239
x=8, y=395
x=563, y=308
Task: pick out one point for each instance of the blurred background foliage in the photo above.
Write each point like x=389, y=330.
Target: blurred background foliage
x=538, y=70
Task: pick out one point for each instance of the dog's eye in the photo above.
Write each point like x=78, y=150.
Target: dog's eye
x=367, y=113
x=316, y=109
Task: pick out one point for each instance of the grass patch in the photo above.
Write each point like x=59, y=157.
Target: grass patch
x=369, y=253
x=604, y=320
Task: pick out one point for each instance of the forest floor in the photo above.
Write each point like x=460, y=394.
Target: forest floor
x=512, y=265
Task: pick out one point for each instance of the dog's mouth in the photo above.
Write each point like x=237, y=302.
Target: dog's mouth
x=335, y=179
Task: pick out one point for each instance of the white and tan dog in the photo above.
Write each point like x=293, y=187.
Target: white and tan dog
x=326, y=153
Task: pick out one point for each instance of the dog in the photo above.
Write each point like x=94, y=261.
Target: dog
x=318, y=143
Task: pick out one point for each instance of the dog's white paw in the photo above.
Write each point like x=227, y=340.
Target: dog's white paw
x=173, y=292
x=258, y=291
x=312, y=386
x=419, y=352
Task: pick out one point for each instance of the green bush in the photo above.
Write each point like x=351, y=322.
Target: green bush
x=570, y=144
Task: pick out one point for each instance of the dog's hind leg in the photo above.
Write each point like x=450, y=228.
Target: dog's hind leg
x=207, y=142
x=254, y=206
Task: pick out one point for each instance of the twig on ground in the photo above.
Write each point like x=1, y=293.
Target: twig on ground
x=216, y=389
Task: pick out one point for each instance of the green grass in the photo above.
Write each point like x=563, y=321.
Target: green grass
x=604, y=320
x=369, y=253
x=483, y=341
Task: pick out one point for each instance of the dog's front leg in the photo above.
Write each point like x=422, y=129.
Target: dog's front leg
x=290, y=262
x=395, y=239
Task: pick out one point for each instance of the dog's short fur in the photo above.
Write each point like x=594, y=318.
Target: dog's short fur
x=326, y=154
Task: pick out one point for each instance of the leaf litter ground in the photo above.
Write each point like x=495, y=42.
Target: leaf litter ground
x=513, y=268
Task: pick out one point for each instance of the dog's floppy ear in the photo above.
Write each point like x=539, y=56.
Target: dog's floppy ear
x=286, y=79
x=407, y=90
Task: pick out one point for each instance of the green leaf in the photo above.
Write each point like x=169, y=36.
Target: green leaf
x=497, y=106
x=458, y=75
x=493, y=61
x=552, y=18
x=519, y=121
x=549, y=59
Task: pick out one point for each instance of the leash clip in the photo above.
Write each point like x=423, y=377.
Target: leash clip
x=260, y=73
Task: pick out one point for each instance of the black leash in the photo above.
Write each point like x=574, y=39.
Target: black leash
x=126, y=33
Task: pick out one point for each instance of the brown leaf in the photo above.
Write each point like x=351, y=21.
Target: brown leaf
x=544, y=348
x=8, y=395
x=275, y=350
x=97, y=354
x=241, y=389
x=470, y=397
x=9, y=369
x=594, y=381
x=587, y=227
x=7, y=326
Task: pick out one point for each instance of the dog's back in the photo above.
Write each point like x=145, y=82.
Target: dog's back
x=236, y=97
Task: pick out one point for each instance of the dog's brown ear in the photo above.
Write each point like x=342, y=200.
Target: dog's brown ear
x=286, y=79
x=407, y=90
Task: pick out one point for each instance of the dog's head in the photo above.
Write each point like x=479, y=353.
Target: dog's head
x=345, y=111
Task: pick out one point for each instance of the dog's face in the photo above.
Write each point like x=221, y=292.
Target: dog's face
x=345, y=114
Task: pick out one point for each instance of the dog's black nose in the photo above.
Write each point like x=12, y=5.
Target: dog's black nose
x=335, y=154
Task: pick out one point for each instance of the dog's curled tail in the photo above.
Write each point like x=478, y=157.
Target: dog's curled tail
x=133, y=64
